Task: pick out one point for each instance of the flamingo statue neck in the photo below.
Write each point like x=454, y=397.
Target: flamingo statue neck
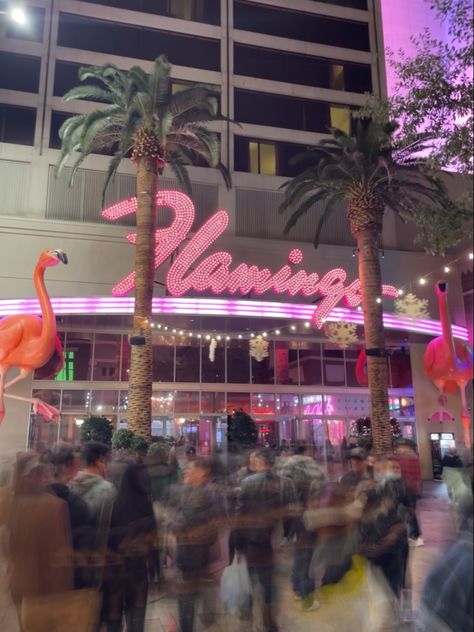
x=446, y=325
x=48, y=329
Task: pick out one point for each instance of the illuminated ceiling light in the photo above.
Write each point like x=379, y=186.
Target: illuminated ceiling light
x=252, y=335
x=190, y=334
x=293, y=327
x=378, y=300
x=174, y=331
x=159, y=326
x=447, y=269
x=307, y=325
x=471, y=256
x=219, y=337
x=277, y=332
x=401, y=292
x=359, y=309
x=208, y=337
x=153, y=324
x=199, y=336
x=227, y=337
x=166, y=328
x=422, y=281
x=264, y=334
x=239, y=336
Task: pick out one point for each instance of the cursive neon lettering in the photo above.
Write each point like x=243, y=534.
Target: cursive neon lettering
x=214, y=273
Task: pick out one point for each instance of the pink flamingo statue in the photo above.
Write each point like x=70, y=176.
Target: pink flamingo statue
x=448, y=362
x=28, y=342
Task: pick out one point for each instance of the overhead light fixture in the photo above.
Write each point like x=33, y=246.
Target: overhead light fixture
x=422, y=281
x=471, y=256
x=447, y=269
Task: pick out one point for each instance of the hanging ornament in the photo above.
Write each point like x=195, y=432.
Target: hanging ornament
x=342, y=333
x=212, y=349
x=258, y=348
x=412, y=307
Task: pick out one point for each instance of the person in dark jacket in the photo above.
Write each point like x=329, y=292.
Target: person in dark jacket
x=262, y=503
x=192, y=516
x=132, y=533
x=63, y=462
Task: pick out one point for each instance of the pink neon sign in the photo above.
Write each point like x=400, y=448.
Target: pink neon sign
x=215, y=273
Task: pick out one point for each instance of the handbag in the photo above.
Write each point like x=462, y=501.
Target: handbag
x=236, y=587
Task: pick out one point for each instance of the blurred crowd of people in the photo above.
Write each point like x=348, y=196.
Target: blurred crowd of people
x=89, y=534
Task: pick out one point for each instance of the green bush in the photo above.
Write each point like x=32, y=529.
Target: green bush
x=97, y=429
x=139, y=444
x=122, y=439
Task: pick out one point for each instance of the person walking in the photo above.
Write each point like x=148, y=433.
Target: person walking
x=262, y=503
x=307, y=479
x=39, y=552
x=191, y=515
x=410, y=467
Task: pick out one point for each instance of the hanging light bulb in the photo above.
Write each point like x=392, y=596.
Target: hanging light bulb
x=239, y=336
x=307, y=325
x=293, y=327
x=277, y=332
x=422, y=281
x=401, y=292
x=447, y=269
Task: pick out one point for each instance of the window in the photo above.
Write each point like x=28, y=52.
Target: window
x=19, y=72
x=79, y=345
x=163, y=359
x=213, y=372
x=310, y=364
x=238, y=362
x=262, y=158
x=286, y=362
x=336, y=77
x=340, y=117
x=334, y=368
x=283, y=154
x=351, y=4
x=106, y=357
x=197, y=10
x=57, y=119
x=187, y=359
x=296, y=25
x=279, y=111
x=265, y=63
x=141, y=43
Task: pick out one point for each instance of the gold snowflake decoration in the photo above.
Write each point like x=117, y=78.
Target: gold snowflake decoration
x=258, y=348
x=412, y=307
x=342, y=333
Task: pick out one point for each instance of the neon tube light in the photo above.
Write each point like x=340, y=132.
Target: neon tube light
x=218, y=307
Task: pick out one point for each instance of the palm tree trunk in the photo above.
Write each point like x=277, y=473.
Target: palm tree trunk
x=141, y=376
x=377, y=365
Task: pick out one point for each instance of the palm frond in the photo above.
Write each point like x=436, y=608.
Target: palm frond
x=159, y=81
x=304, y=207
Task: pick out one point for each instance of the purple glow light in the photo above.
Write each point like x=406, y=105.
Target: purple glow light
x=217, y=307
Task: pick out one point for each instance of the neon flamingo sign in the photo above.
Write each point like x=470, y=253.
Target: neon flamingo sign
x=215, y=273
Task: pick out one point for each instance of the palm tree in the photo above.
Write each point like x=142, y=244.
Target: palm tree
x=365, y=172
x=142, y=120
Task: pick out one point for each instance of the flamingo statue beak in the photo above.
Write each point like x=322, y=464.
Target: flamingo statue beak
x=62, y=256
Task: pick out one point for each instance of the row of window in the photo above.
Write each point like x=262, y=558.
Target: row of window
x=105, y=357
x=164, y=403
x=208, y=11
x=248, y=16
x=17, y=125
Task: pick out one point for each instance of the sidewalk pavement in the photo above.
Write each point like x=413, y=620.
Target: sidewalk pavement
x=438, y=530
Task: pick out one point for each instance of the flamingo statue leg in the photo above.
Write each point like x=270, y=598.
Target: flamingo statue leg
x=24, y=373
x=3, y=374
x=465, y=417
x=50, y=413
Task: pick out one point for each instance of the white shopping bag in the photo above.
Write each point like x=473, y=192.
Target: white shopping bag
x=236, y=588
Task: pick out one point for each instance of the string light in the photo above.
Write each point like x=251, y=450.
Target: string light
x=422, y=281
x=447, y=269
x=378, y=300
